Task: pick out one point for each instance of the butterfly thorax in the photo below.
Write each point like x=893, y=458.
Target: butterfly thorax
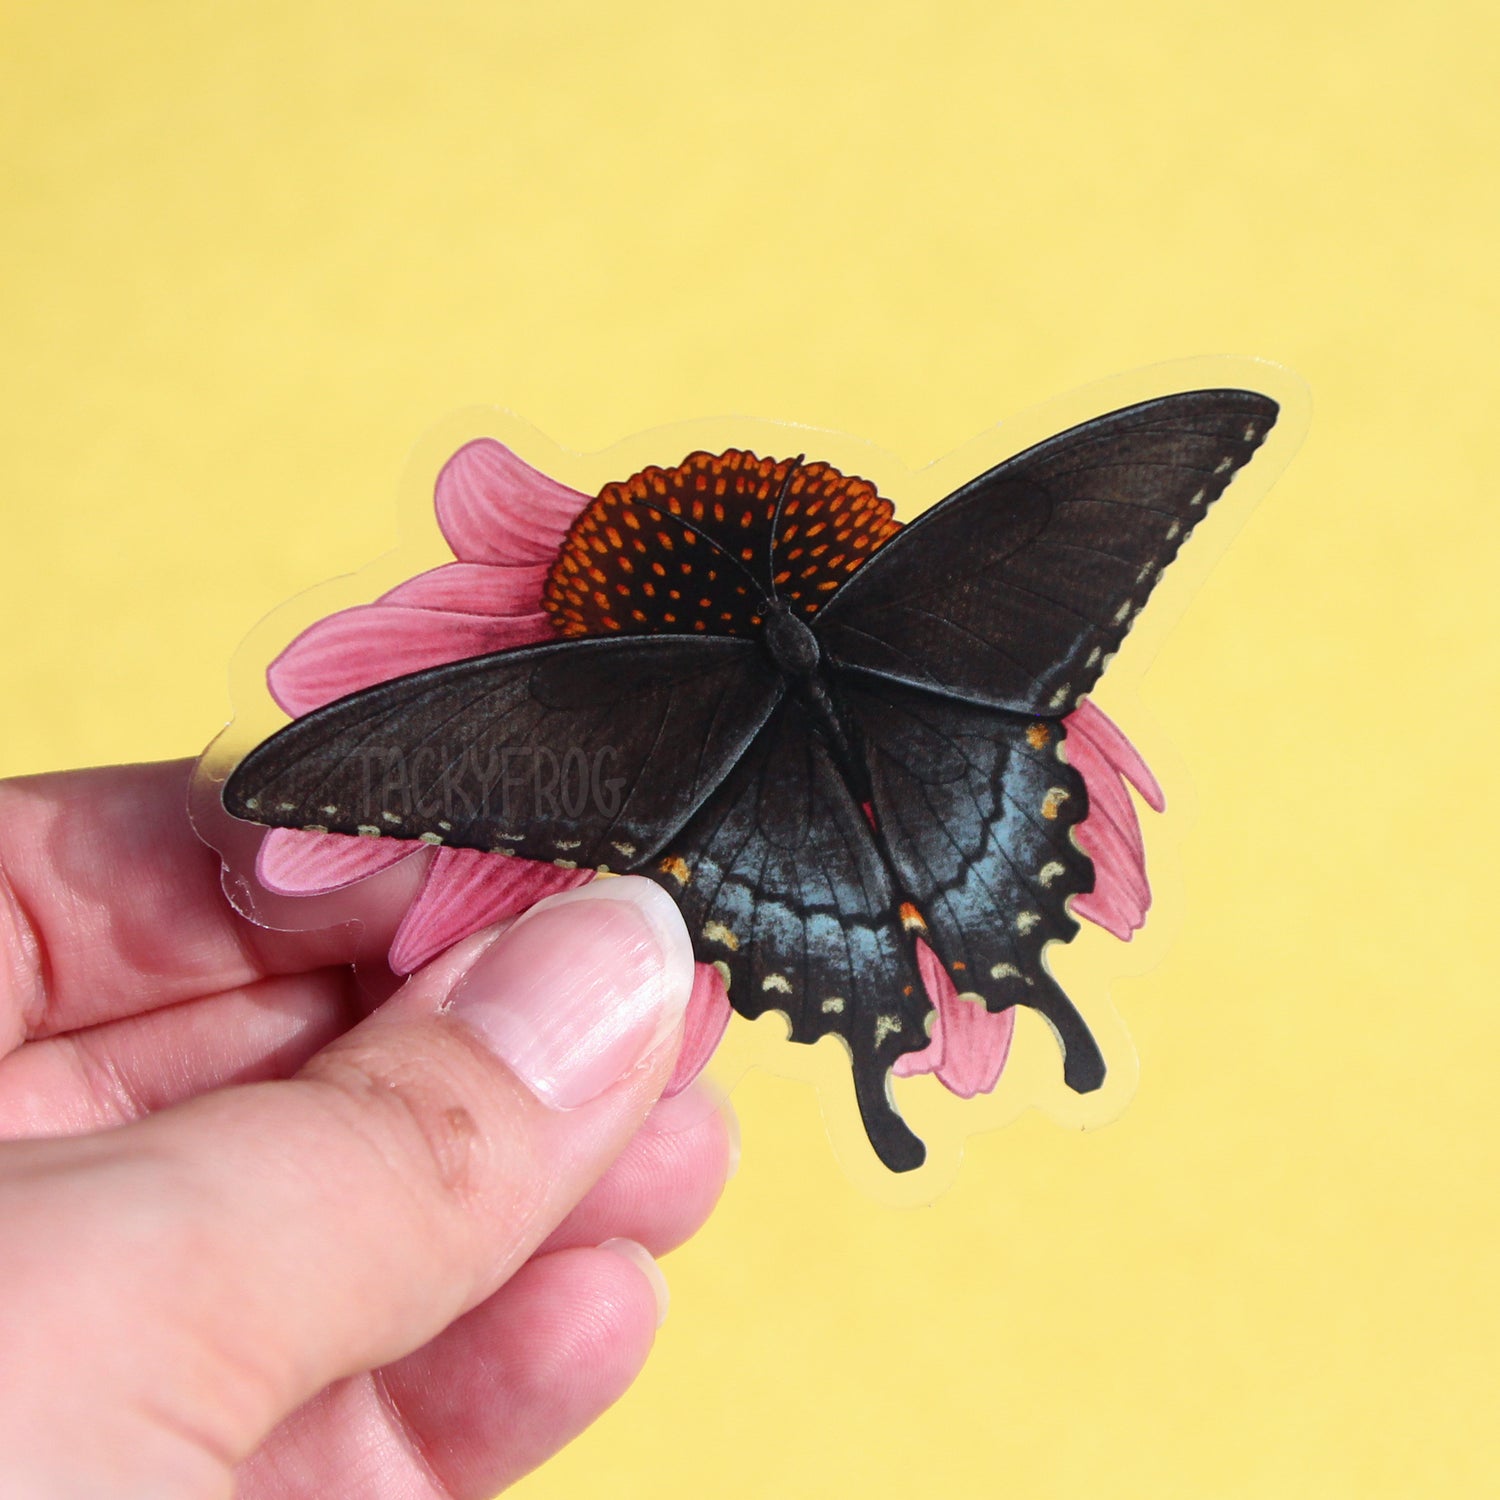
x=794, y=651
x=700, y=547
x=791, y=645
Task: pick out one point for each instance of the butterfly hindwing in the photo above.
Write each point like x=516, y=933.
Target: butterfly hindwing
x=782, y=886
x=1016, y=589
x=975, y=809
x=587, y=753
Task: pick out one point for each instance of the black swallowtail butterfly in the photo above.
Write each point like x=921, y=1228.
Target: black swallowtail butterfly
x=826, y=735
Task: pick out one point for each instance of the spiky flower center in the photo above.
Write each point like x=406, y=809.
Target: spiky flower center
x=689, y=549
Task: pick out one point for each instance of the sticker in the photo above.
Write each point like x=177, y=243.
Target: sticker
x=844, y=714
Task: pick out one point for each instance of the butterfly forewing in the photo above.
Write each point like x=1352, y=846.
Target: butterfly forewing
x=1014, y=590
x=975, y=808
x=782, y=885
x=587, y=753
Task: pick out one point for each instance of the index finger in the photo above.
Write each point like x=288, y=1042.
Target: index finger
x=111, y=905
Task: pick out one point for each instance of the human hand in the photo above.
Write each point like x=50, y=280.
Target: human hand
x=254, y=1233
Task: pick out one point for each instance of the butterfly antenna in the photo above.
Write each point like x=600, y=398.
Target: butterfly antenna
x=723, y=552
x=786, y=485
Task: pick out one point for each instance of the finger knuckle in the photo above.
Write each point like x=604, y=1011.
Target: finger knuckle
x=413, y=1110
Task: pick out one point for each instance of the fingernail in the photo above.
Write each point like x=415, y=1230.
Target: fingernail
x=581, y=989
x=640, y=1257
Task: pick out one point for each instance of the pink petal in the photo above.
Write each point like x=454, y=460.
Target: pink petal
x=371, y=643
x=977, y=1045
x=474, y=589
x=495, y=508
x=975, y=1042
x=1108, y=797
x=1118, y=750
x=465, y=890
x=1111, y=833
x=708, y=1013
x=936, y=983
x=294, y=863
x=969, y=1045
x=1116, y=865
x=911, y=1064
x=1109, y=910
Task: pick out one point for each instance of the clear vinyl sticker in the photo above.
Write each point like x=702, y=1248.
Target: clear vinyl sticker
x=850, y=716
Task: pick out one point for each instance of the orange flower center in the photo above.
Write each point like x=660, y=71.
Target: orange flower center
x=690, y=548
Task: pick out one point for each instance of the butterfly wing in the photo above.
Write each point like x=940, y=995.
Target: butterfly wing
x=975, y=808
x=589, y=752
x=1014, y=590
x=783, y=887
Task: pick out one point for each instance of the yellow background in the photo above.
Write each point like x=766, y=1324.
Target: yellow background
x=250, y=254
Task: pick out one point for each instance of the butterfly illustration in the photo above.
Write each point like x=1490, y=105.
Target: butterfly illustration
x=827, y=735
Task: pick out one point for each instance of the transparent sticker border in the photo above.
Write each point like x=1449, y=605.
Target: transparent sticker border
x=1088, y=967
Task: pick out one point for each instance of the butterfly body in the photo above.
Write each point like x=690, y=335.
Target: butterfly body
x=790, y=644
x=836, y=738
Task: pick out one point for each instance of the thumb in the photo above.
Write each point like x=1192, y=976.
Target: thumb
x=224, y=1260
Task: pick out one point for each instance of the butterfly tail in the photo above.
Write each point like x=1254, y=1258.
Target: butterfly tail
x=1083, y=1063
x=895, y=1143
